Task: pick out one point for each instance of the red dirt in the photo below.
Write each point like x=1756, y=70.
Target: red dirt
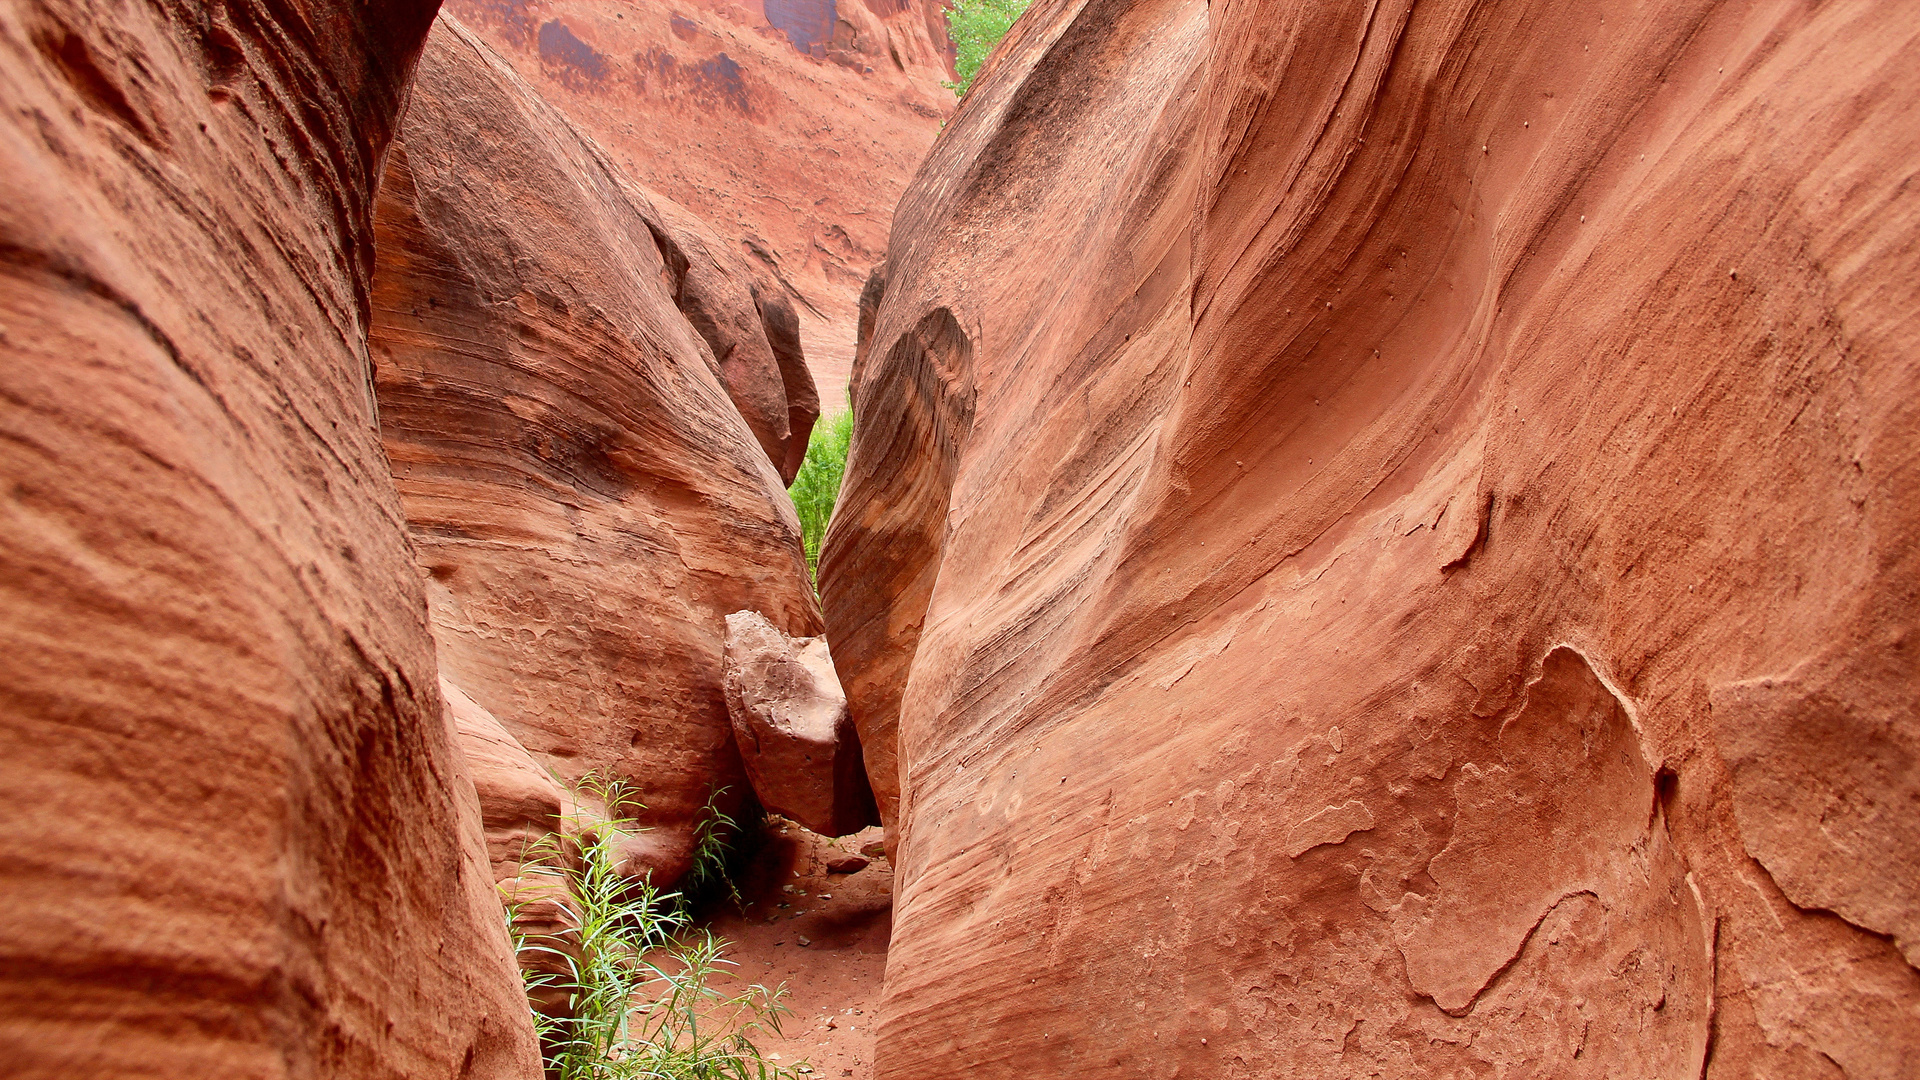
x=846, y=920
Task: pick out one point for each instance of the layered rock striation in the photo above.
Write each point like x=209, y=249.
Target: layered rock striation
x=238, y=840
x=788, y=127
x=586, y=501
x=1380, y=538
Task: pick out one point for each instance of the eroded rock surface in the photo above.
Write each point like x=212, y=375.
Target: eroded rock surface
x=791, y=724
x=523, y=810
x=238, y=839
x=1380, y=539
x=585, y=499
x=789, y=127
x=520, y=802
x=749, y=326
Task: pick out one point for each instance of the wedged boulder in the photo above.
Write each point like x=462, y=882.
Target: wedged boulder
x=790, y=721
x=1382, y=539
x=586, y=502
x=238, y=837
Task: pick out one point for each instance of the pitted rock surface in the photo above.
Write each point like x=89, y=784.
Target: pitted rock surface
x=1380, y=539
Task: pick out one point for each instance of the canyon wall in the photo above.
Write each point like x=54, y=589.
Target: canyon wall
x=790, y=127
x=238, y=841
x=1380, y=540
x=587, y=503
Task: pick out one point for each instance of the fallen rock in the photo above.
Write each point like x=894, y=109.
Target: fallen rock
x=791, y=724
x=847, y=864
x=585, y=499
x=1399, y=524
x=239, y=839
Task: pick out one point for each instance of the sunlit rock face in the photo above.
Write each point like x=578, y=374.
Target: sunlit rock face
x=788, y=127
x=586, y=501
x=238, y=839
x=1380, y=539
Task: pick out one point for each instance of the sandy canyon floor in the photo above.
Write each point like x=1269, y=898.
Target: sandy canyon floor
x=823, y=934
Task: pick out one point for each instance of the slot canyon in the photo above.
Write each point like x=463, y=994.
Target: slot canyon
x=1378, y=538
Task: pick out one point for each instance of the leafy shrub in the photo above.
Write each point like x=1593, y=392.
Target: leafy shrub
x=977, y=26
x=719, y=853
x=636, y=984
x=817, y=486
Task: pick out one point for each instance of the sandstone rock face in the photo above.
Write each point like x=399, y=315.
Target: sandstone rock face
x=586, y=502
x=1382, y=539
x=790, y=722
x=238, y=841
x=750, y=328
x=790, y=127
x=519, y=800
x=520, y=805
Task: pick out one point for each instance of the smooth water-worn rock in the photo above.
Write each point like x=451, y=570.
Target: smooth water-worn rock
x=788, y=127
x=586, y=502
x=749, y=326
x=790, y=722
x=238, y=839
x=520, y=801
x=1382, y=541
x=527, y=816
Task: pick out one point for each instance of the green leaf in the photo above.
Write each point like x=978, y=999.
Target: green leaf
x=976, y=27
x=817, y=486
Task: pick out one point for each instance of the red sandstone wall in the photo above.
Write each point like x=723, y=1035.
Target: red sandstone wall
x=790, y=127
x=237, y=841
x=587, y=503
x=1382, y=539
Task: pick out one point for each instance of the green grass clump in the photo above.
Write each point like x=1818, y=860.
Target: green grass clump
x=638, y=1003
x=817, y=486
x=977, y=26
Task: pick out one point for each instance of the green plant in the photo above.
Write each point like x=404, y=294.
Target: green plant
x=817, y=486
x=715, y=852
x=638, y=999
x=976, y=27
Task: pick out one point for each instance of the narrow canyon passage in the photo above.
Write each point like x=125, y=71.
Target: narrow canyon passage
x=1242, y=539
